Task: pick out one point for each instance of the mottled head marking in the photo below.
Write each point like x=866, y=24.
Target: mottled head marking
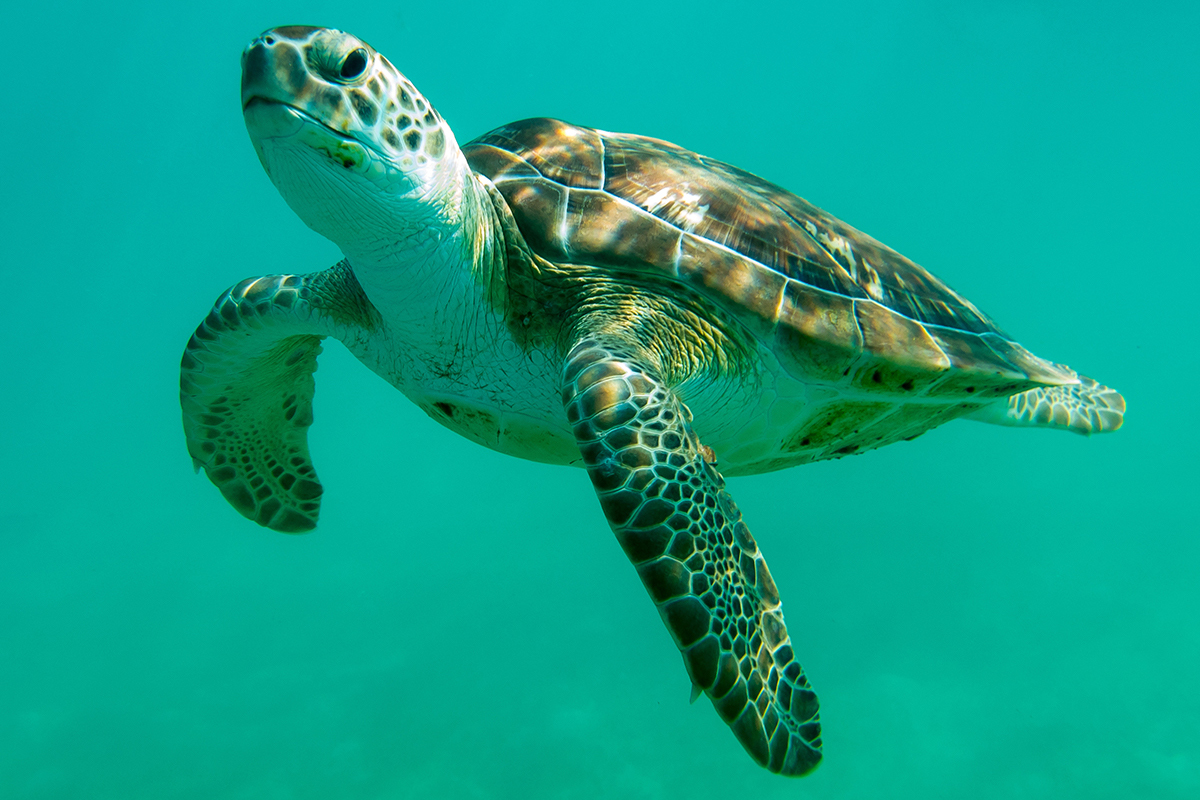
x=333, y=92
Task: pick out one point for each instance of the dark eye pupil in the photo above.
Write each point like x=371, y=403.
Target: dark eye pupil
x=354, y=65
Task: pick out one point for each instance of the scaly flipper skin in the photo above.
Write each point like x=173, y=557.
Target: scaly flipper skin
x=246, y=388
x=1086, y=407
x=672, y=515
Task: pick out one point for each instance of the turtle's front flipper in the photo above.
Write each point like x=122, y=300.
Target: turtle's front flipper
x=246, y=388
x=671, y=513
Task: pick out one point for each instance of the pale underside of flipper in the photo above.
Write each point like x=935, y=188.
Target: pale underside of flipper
x=246, y=389
x=1086, y=407
x=670, y=511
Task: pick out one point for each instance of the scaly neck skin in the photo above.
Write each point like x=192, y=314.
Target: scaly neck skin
x=418, y=252
x=428, y=273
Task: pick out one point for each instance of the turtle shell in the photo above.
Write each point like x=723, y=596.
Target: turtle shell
x=831, y=302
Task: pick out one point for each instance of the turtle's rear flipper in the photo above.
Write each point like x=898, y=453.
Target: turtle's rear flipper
x=246, y=388
x=684, y=534
x=1086, y=407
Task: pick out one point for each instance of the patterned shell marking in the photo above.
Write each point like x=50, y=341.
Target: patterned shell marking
x=832, y=302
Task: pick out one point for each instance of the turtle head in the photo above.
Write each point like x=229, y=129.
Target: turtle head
x=353, y=147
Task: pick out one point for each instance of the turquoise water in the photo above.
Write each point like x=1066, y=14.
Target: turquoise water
x=985, y=612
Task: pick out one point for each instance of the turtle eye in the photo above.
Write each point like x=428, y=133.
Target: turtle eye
x=354, y=65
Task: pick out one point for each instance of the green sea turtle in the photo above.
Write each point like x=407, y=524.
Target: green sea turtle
x=601, y=300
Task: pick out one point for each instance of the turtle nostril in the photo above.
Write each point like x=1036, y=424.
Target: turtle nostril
x=354, y=65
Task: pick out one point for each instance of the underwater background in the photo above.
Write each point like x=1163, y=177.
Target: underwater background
x=984, y=612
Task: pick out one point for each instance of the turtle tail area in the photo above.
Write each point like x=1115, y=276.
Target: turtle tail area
x=246, y=389
x=1086, y=407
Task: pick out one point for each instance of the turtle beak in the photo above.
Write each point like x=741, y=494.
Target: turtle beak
x=276, y=82
x=272, y=69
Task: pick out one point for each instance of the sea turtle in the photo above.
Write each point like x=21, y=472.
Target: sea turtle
x=601, y=300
